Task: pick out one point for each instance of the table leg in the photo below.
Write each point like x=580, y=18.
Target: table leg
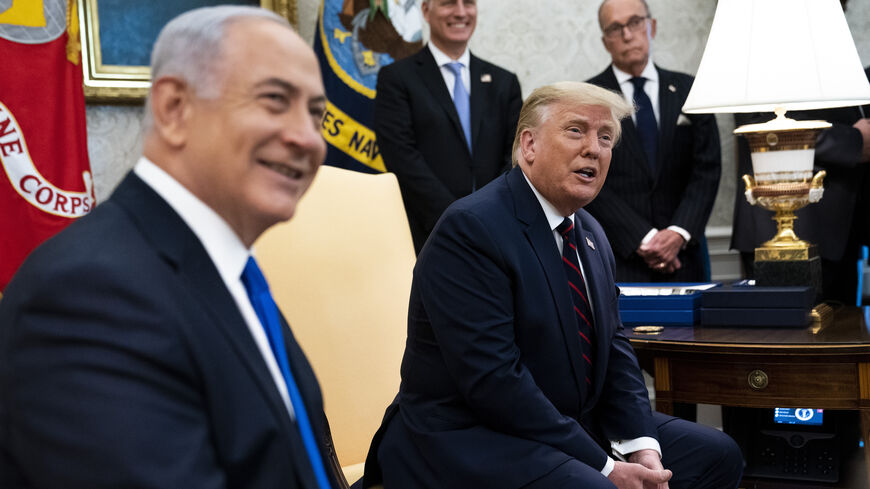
x=662, y=376
x=864, y=410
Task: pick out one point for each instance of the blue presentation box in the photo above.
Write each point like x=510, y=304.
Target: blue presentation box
x=660, y=317
x=663, y=304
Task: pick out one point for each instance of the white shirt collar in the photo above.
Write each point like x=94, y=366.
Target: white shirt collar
x=649, y=72
x=554, y=217
x=442, y=59
x=223, y=246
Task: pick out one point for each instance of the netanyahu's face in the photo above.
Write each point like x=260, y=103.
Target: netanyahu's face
x=567, y=156
x=627, y=32
x=257, y=146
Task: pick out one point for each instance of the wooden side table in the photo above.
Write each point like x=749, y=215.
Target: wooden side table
x=764, y=367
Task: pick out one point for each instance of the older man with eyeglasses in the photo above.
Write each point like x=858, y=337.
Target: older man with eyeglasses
x=664, y=176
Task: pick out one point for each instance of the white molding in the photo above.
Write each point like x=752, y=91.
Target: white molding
x=724, y=262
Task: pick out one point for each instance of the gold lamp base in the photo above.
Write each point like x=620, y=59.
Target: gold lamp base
x=784, y=199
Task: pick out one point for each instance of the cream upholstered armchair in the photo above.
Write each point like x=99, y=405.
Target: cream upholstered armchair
x=340, y=271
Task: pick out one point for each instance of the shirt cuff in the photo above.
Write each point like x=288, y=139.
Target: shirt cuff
x=608, y=467
x=623, y=448
x=682, y=232
x=652, y=232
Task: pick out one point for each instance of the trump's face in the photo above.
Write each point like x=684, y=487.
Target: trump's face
x=256, y=147
x=567, y=156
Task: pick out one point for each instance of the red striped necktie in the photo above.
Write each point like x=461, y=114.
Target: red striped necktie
x=582, y=310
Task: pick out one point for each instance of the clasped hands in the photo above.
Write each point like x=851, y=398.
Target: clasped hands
x=660, y=252
x=643, y=470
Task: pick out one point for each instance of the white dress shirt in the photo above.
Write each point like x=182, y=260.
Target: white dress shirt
x=621, y=448
x=224, y=248
x=442, y=60
x=651, y=87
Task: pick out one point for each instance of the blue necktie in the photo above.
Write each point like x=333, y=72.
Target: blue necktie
x=582, y=310
x=258, y=292
x=646, y=121
x=461, y=100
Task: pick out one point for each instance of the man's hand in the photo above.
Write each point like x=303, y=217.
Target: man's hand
x=651, y=460
x=627, y=475
x=863, y=125
x=660, y=253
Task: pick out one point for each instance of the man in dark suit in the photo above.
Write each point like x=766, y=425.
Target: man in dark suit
x=444, y=135
x=839, y=224
x=665, y=173
x=140, y=347
x=516, y=372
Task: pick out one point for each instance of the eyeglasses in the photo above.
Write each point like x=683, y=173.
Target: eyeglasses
x=634, y=24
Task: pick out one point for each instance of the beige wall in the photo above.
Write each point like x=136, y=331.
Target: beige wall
x=543, y=41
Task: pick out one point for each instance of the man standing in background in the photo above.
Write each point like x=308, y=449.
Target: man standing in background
x=444, y=118
x=665, y=173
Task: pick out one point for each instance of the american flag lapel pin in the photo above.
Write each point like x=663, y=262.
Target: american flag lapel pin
x=590, y=243
x=485, y=78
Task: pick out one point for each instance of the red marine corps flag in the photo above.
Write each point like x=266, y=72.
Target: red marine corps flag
x=46, y=179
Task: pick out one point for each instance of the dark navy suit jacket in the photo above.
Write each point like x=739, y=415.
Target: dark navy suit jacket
x=124, y=362
x=679, y=191
x=493, y=371
x=422, y=140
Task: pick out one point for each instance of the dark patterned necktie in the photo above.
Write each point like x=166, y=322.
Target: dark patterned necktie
x=582, y=310
x=646, y=121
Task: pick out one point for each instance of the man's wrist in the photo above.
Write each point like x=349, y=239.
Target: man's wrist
x=648, y=237
x=624, y=448
x=608, y=467
x=682, y=232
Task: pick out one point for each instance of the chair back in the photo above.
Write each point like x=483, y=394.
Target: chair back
x=340, y=271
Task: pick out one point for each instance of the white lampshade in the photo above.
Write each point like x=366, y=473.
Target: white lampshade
x=768, y=54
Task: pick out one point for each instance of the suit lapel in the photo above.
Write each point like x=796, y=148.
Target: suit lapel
x=537, y=230
x=669, y=111
x=480, y=93
x=432, y=78
x=177, y=244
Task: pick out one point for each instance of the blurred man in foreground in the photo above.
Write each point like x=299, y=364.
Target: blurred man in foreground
x=140, y=347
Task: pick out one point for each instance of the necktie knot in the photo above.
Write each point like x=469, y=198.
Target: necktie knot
x=455, y=67
x=565, y=227
x=253, y=279
x=638, y=82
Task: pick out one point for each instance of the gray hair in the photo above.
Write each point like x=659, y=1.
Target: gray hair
x=190, y=46
x=535, y=107
x=601, y=7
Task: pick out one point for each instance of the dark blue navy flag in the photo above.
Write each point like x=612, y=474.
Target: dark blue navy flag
x=353, y=40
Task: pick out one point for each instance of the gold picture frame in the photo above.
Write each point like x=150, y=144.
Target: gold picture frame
x=129, y=83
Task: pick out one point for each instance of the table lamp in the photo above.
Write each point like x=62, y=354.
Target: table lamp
x=774, y=56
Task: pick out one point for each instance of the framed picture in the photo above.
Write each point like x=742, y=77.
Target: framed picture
x=117, y=37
